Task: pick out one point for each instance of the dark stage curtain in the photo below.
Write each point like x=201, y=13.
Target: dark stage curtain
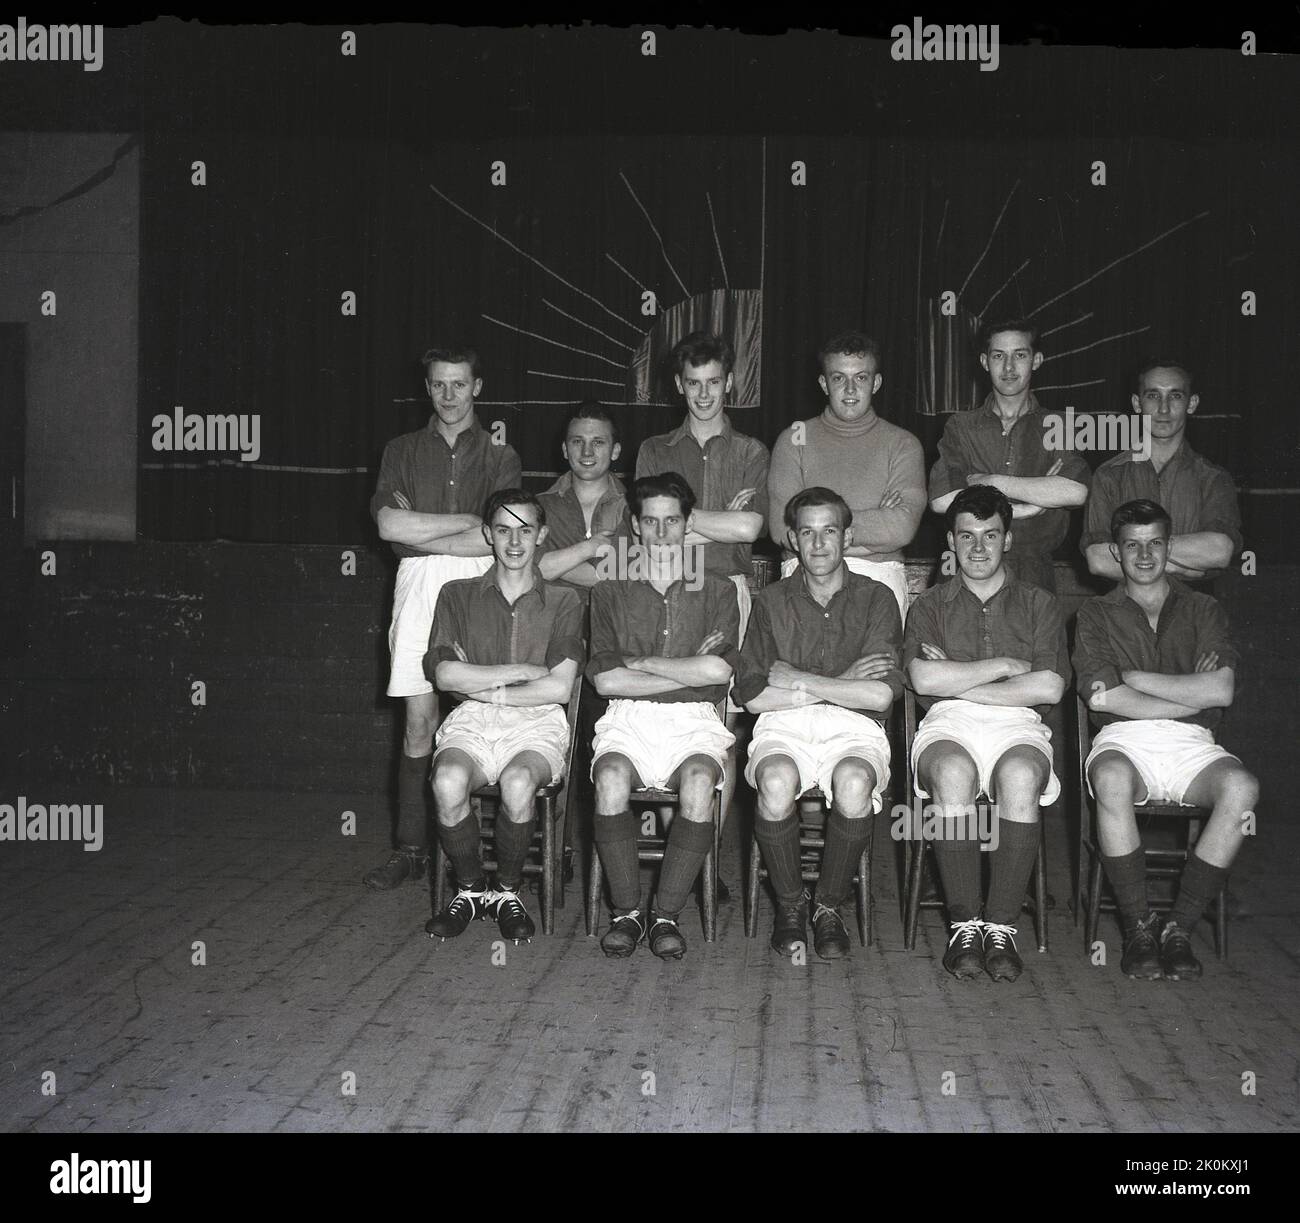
x=780, y=240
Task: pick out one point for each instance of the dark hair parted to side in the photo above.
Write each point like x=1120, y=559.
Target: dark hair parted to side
x=1139, y=514
x=1162, y=362
x=701, y=347
x=989, y=330
x=512, y=496
x=850, y=343
x=982, y=500
x=814, y=496
x=590, y=409
x=665, y=484
x=452, y=356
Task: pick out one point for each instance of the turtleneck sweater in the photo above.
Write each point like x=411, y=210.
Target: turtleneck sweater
x=861, y=461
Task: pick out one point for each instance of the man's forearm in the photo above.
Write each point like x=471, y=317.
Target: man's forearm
x=1201, y=550
x=728, y=526
x=1128, y=702
x=1203, y=690
x=1050, y=492
x=1102, y=563
x=772, y=700
x=1025, y=691
x=563, y=562
x=416, y=530
x=551, y=690
x=471, y=678
x=624, y=682
x=701, y=671
x=870, y=694
x=945, y=678
x=885, y=530
x=465, y=543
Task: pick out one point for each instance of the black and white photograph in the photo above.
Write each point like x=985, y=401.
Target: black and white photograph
x=677, y=577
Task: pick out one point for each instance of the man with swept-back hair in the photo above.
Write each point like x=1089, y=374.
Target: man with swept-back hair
x=1005, y=443
x=1157, y=668
x=820, y=668
x=1200, y=496
x=878, y=468
x=433, y=484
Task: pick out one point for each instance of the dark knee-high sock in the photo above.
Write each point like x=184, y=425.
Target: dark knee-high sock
x=460, y=842
x=513, y=843
x=845, y=841
x=1013, y=860
x=688, y=845
x=779, y=841
x=412, y=801
x=1128, y=880
x=958, y=859
x=1199, y=885
x=615, y=837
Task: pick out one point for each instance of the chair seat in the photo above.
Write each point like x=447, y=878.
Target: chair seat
x=550, y=790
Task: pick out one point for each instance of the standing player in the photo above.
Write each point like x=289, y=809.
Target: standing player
x=982, y=650
x=662, y=650
x=433, y=484
x=1157, y=667
x=878, y=468
x=1200, y=496
x=820, y=668
x=728, y=471
x=585, y=508
x=511, y=645
x=1003, y=443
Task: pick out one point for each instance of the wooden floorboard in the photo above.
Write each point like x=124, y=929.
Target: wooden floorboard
x=310, y=978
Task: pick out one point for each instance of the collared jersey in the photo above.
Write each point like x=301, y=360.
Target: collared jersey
x=567, y=525
x=543, y=626
x=1020, y=620
x=1113, y=635
x=631, y=619
x=974, y=442
x=789, y=625
x=716, y=472
x=440, y=479
x=1197, y=495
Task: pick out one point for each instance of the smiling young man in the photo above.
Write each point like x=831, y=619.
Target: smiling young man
x=662, y=650
x=727, y=470
x=1200, y=496
x=433, y=484
x=878, y=468
x=820, y=668
x=586, y=507
x=509, y=644
x=985, y=653
x=1004, y=443
x=1157, y=667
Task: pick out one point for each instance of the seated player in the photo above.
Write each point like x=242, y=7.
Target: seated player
x=663, y=644
x=1156, y=665
x=981, y=651
x=585, y=507
x=820, y=668
x=511, y=645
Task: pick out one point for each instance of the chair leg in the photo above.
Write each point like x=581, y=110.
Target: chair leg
x=439, y=875
x=710, y=874
x=752, y=881
x=1081, y=871
x=593, y=893
x=561, y=829
x=1040, y=890
x=864, y=885
x=547, y=822
x=916, y=865
x=1094, y=905
x=1221, y=924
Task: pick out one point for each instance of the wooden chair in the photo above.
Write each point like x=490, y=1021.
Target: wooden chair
x=918, y=849
x=812, y=842
x=1160, y=863
x=546, y=858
